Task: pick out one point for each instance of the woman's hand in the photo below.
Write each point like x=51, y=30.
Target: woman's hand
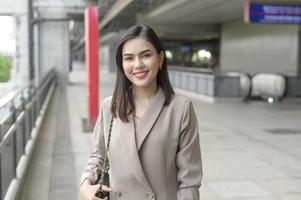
x=89, y=191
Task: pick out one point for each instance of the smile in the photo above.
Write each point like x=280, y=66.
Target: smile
x=140, y=75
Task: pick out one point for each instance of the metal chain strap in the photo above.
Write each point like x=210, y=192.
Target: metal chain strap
x=106, y=164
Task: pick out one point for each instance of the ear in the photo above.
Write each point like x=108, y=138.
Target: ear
x=161, y=56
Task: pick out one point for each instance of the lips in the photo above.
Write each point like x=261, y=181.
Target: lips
x=140, y=75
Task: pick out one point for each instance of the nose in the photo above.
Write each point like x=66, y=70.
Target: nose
x=138, y=63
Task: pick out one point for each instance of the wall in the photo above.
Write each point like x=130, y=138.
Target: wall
x=54, y=52
x=53, y=39
x=259, y=48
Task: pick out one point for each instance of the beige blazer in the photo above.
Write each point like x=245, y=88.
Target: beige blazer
x=159, y=160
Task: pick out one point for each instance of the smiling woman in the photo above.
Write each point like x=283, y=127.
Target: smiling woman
x=141, y=63
x=146, y=135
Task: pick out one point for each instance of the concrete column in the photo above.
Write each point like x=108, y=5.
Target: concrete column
x=54, y=51
x=20, y=73
x=37, y=49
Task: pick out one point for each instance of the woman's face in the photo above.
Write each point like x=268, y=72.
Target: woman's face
x=141, y=62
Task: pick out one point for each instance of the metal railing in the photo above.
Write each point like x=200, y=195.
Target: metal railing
x=19, y=111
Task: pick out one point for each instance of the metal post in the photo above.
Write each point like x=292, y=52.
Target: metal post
x=32, y=108
x=30, y=40
x=13, y=110
x=29, y=112
x=23, y=127
x=38, y=99
x=34, y=104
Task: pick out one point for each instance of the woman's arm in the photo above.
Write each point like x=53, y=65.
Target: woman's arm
x=89, y=188
x=92, y=169
x=189, y=159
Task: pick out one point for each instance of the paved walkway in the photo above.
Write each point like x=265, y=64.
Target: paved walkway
x=251, y=151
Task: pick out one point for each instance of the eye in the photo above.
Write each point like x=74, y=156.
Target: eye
x=128, y=58
x=147, y=55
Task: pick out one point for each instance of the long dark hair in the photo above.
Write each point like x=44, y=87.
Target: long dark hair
x=122, y=101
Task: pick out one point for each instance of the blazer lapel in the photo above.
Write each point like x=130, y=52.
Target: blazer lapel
x=128, y=144
x=149, y=118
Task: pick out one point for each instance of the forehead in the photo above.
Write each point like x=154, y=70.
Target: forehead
x=136, y=45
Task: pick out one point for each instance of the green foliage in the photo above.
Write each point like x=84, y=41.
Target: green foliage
x=5, y=67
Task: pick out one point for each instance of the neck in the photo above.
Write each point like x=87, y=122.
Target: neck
x=144, y=94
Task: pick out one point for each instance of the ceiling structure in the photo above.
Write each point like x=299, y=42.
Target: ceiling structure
x=173, y=19
x=196, y=12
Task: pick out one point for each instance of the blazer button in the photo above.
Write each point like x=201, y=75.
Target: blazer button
x=150, y=195
x=117, y=193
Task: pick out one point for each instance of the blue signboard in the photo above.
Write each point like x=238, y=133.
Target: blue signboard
x=275, y=13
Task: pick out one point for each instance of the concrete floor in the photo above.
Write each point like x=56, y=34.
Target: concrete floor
x=251, y=151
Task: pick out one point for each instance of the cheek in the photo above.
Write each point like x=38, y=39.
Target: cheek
x=154, y=64
x=127, y=70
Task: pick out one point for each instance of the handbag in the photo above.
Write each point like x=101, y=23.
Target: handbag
x=103, y=178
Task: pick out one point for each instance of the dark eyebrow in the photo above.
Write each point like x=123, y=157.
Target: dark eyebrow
x=142, y=52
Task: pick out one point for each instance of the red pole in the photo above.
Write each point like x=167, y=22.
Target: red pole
x=91, y=42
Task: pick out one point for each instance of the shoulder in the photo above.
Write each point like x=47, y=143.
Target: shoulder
x=106, y=101
x=181, y=112
x=106, y=104
x=180, y=105
x=179, y=101
x=186, y=112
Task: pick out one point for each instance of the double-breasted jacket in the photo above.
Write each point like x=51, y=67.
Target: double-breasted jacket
x=160, y=159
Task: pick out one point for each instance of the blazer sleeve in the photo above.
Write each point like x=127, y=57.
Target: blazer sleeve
x=93, y=167
x=189, y=161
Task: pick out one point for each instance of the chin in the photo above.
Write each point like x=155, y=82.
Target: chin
x=145, y=83
x=141, y=85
